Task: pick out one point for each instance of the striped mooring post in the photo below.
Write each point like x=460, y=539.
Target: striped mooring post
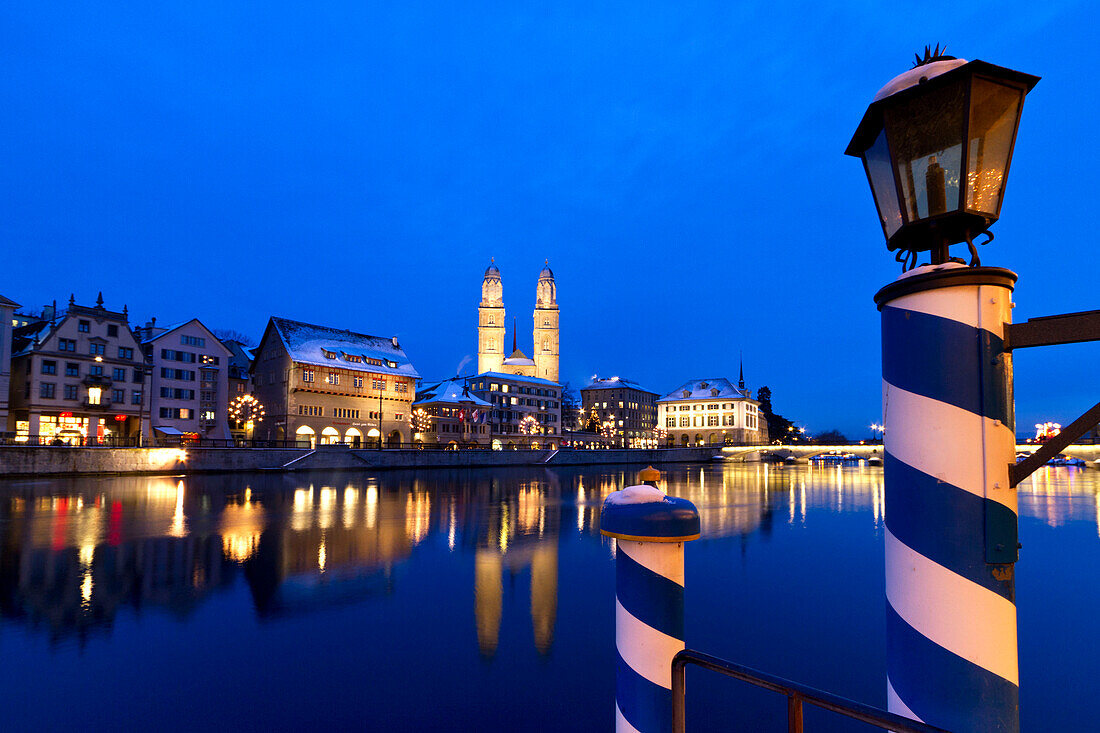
x=650, y=529
x=951, y=518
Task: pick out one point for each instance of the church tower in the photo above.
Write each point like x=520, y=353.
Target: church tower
x=490, y=322
x=546, y=326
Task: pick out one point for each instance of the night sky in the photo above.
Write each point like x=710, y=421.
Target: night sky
x=680, y=164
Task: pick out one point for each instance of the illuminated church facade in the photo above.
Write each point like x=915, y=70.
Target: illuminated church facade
x=491, y=330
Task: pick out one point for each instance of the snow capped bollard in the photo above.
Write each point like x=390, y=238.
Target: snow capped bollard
x=950, y=509
x=650, y=529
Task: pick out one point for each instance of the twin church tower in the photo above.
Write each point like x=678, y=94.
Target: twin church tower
x=491, y=356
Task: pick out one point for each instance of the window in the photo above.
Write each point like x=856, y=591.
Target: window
x=46, y=390
x=137, y=376
x=307, y=375
x=712, y=420
x=97, y=349
x=49, y=367
x=208, y=359
x=332, y=377
x=398, y=416
x=66, y=345
x=712, y=407
x=94, y=395
x=240, y=387
x=84, y=326
x=729, y=419
x=207, y=396
x=112, y=331
x=118, y=374
x=378, y=384
x=96, y=370
x=685, y=407
x=670, y=422
x=135, y=397
x=192, y=341
x=401, y=387
x=71, y=369
x=353, y=358
x=328, y=354
x=185, y=375
x=357, y=380
x=70, y=391
x=345, y=412
x=178, y=413
x=118, y=395
x=311, y=411
x=125, y=353
x=207, y=416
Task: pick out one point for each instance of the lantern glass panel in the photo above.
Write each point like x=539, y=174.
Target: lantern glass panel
x=994, y=110
x=881, y=175
x=926, y=133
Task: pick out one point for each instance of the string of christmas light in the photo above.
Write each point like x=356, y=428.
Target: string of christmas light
x=529, y=425
x=421, y=420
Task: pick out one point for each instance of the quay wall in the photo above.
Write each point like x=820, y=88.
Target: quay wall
x=23, y=461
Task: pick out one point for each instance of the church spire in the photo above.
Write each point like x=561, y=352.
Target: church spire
x=741, y=376
x=514, y=335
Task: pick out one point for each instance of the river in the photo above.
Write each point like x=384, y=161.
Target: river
x=475, y=599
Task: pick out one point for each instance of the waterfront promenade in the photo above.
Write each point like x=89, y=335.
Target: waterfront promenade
x=19, y=461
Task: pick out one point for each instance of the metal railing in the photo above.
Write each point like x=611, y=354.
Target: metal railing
x=796, y=693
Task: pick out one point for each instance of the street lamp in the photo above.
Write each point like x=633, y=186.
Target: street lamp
x=936, y=144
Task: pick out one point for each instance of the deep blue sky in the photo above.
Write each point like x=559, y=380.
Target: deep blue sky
x=680, y=164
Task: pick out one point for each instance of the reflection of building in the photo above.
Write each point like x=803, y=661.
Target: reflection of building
x=631, y=410
x=456, y=416
x=491, y=330
x=326, y=385
x=712, y=412
x=189, y=385
x=7, y=322
x=77, y=376
x=516, y=535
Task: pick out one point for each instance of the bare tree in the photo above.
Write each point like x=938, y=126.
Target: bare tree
x=228, y=334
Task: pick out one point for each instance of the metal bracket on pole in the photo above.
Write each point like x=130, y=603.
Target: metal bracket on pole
x=1067, y=328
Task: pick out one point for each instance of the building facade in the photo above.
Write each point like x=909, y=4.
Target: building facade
x=322, y=385
x=189, y=383
x=711, y=412
x=78, y=378
x=526, y=411
x=491, y=354
x=240, y=382
x=7, y=323
x=449, y=414
x=630, y=410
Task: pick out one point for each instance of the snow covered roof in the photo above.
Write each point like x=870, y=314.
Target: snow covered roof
x=613, y=383
x=9, y=303
x=310, y=344
x=518, y=378
x=449, y=391
x=704, y=389
x=24, y=338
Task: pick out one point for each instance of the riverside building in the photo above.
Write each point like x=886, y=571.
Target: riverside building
x=189, y=382
x=77, y=377
x=630, y=410
x=322, y=385
x=448, y=413
x=712, y=412
x=526, y=411
x=7, y=323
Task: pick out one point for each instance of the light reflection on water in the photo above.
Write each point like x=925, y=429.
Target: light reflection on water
x=82, y=559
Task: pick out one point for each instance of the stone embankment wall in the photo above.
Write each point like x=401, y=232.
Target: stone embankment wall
x=20, y=461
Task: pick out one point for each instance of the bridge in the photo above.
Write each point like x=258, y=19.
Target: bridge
x=1090, y=454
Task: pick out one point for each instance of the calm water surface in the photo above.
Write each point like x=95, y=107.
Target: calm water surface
x=468, y=599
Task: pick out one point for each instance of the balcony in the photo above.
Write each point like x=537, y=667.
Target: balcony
x=97, y=380
x=101, y=405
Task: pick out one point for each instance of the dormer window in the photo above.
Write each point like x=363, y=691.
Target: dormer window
x=704, y=385
x=374, y=362
x=687, y=393
x=713, y=392
x=328, y=354
x=391, y=364
x=353, y=358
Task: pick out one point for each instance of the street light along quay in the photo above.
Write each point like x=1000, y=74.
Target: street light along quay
x=936, y=145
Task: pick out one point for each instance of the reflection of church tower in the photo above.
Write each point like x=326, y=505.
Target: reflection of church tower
x=546, y=326
x=488, y=599
x=490, y=322
x=544, y=594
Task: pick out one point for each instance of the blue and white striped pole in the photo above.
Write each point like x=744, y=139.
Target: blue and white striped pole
x=951, y=517
x=650, y=530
